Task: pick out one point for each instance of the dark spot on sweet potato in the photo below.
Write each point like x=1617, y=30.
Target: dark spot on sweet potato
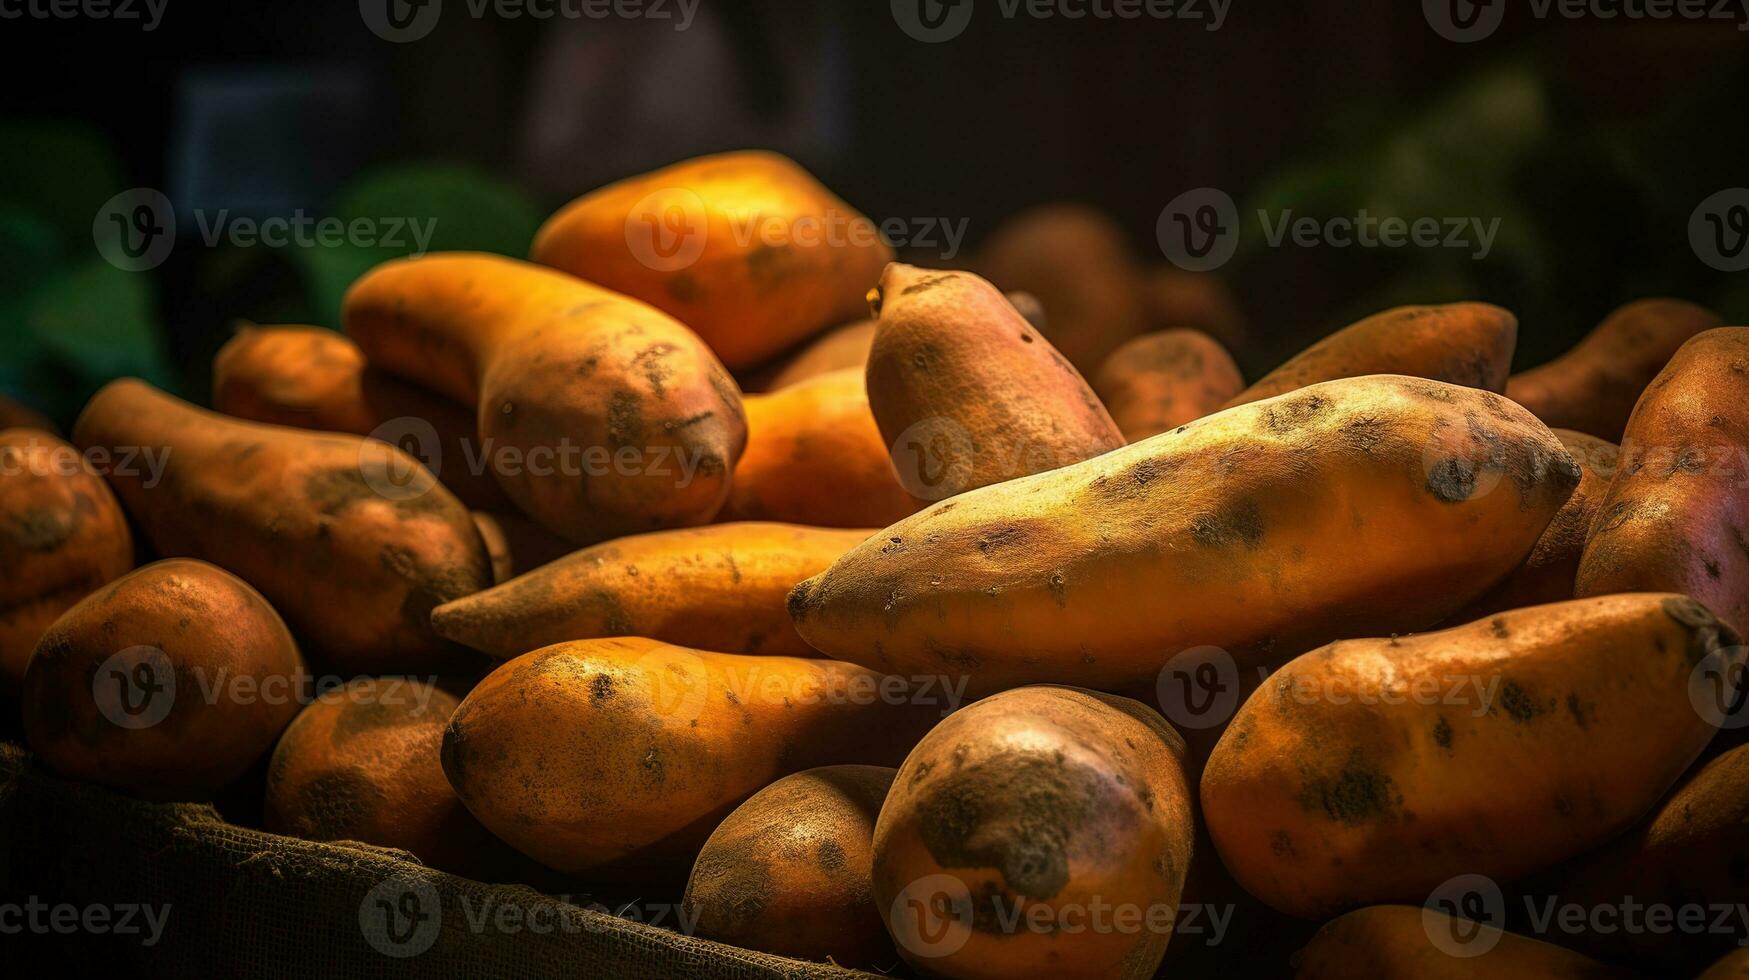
x=829, y=855
x=1706, y=633
x=1442, y=733
x=625, y=419
x=1018, y=812
x=652, y=769
x=1497, y=626
x=601, y=688
x=1001, y=538
x=1517, y=703
x=1452, y=480
x=926, y=283
x=1359, y=793
x=1237, y=521
x=1577, y=710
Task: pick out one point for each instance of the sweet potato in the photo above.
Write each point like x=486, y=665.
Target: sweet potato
x=746, y=248
x=362, y=764
x=169, y=682
x=1370, y=505
x=352, y=540
x=1692, y=853
x=1395, y=942
x=1160, y=381
x=1548, y=573
x=626, y=753
x=1178, y=298
x=314, y=378
x=1466, y=344
x=1732, y=966
x=723, y=585
x=789, y=872
x=1080, y=266
x=62, y=534
x=1593, y=387
x=1676, y=518
x=1021, y=823
x=598, y=415
x=17, y=415
x=967, y=393
x=1375, y=770
x=848, y=346
x=815, y=456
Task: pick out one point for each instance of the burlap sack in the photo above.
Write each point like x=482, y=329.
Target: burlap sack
x=234, y=902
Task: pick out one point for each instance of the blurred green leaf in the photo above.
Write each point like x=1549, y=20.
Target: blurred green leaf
x=96, y=322
x=63, y=172
x=29, y=251
x=426, y=207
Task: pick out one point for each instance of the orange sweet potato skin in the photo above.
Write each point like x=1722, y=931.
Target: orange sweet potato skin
x=1691, y=851
x=62, y=535
x=362, y=764
x=1593, y=387
x=1079, y=265
x=600, y=416
x=1467, y=344
x=725, y=585
x=779, y=256
x=1049, y=799
x=1676, y=518
x=1160, y=381
x=1548, y=573
x=1370, y=770
x=815, y=456
x=967, y=393
x=789, y=872
x=625, y=753
x=210, y=632
x=352, y=539
x=314, y=378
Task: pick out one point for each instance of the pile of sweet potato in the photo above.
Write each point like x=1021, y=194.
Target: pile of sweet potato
x=932, y=654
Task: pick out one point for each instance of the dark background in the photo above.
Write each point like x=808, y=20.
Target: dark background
x=1592, y=141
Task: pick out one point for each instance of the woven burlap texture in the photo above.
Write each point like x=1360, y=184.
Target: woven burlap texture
x=248, y=904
